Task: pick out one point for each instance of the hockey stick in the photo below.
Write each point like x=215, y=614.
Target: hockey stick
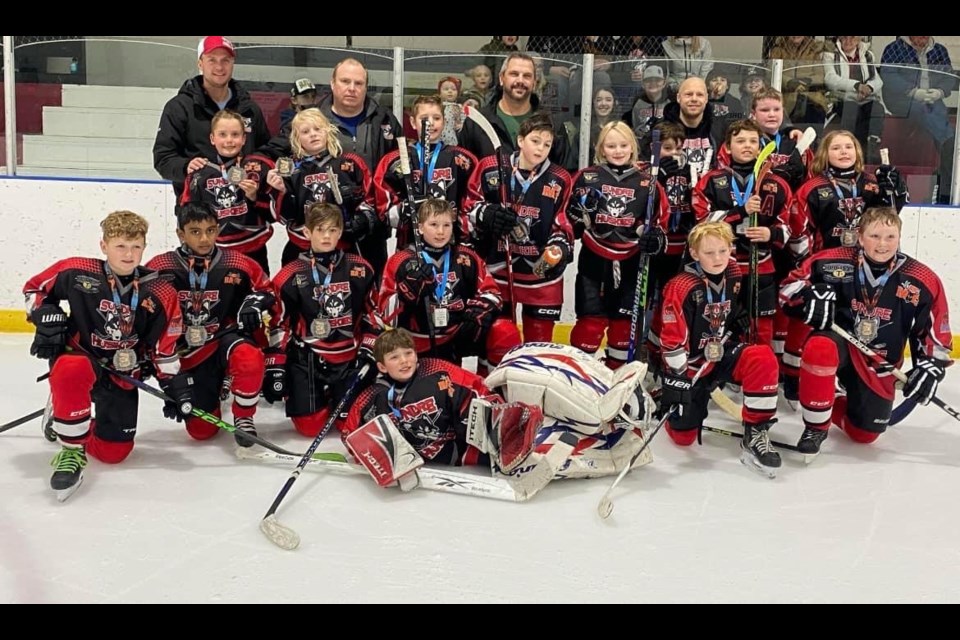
x=881, y=362
x=643, y=278
x=905, y=408
x=430, y=478
x=760, y=171
x=280, y=534
x=739, y=436
x=727, y=404
x=806, y=139
x=194, y=411
x=407, y=172
x=605, y=506
x=25, y=419
x=481, y=121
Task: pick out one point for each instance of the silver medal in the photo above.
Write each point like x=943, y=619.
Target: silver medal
x=125, y=360
x=848, y=237
x=236, y=175
x=320, y=328
x=713, y=350
x=196, y=336
x=441, y=317
x=285, y=167
x=867, y=329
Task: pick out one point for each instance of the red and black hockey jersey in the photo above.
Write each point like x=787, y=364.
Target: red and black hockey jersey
x=450, y=170
x=210, y=290
x=245, y=225
x=146, y=319
x=795, y=168
x=431, y=409
x=340, y=292
x=467, y=280
x=311, y=184
x=539, y=198
x=713, y=199
x=826, y=206
x=609, y=205
x=695, y=309
x=911, y=304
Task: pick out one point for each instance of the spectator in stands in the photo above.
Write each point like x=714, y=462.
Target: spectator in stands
x=804, y=92
x=918, y=94
x=855, y=85
x=449, y=90
x=722, y=102
x=184, y=131
x=754, y=79
x=637, y=52
x=471, y=99
x=502, y=45
x=647, y=109
x=364, y=128
x=513, y=103
x=688, y=57
x=482, y=79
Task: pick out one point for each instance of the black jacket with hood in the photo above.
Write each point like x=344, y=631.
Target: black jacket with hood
x=184, y=131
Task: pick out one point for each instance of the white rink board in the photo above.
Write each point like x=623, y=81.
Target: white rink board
x=46, y=220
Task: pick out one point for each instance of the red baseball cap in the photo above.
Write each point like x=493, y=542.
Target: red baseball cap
x=209, y=43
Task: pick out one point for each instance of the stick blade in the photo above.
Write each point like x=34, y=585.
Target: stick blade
x=279, y=534
x=605, y=507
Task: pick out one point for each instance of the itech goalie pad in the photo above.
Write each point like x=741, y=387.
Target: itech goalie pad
x=570, y=385
x=385, y=453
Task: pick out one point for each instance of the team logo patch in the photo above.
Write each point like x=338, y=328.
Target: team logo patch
x=824, y=193
x=838, y=272
x=589, y=177
x=387, y=131
x=721, y=182
x=87, y=284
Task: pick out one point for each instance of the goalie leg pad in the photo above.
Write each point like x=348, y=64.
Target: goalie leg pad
x=383, y=451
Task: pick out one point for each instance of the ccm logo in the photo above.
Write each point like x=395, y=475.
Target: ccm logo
x=55, y=317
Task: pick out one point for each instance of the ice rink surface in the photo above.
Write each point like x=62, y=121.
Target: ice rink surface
x=178, y=522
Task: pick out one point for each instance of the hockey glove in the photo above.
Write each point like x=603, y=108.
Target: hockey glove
x=179, y=390
x=923, y=380
x=890, y=181
x=820, y=302
x=676, y=393
x=497, y=220
x=274, y=377
x=51, y=337
x=415, y=280
x=250, y=316
x=652, y=241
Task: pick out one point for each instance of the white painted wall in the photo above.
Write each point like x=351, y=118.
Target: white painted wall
x=46, y=220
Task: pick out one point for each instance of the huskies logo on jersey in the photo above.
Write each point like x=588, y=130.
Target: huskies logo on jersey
x=420, y=418
x=198, y=306
x=716, y=314
x=117, y=327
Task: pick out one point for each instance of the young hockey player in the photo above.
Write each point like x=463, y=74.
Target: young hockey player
x=431, y=410
x=884, y=298
x=700, y=308
x=828, y=210
x=122, y=317
x=439, y=171
x=319, y=166
x=831, y=202
x=735, y=195
x=609, y=211
x=222, y=294
x=444, y=295
x=323, y=325
x=523, y=218
x=231, y=185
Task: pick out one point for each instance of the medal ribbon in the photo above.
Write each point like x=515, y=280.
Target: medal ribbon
x=134, y=302
x=434, y=156
x=870, y=302
x=441, y=288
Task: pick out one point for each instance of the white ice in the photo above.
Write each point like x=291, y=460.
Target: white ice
x=177, y=522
